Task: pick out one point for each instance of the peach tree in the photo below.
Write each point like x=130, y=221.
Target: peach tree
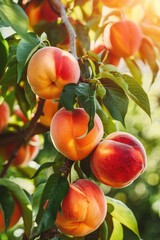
x=68, y=72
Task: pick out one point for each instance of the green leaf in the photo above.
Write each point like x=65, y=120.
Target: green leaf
x=103, y=231
x=117, y=232
x=68, y=96
x=4, y=48
x=54, y=191
x=7, y=204
x=130, y=86
x=29, y=95
x=86, y=96
x=134, y=69
x=42, y=167
x=37, y=197
x=23, y=103
x=115, y=100
x=24, y=51
x=23, y=200
x=14, y=16
x=120, y=212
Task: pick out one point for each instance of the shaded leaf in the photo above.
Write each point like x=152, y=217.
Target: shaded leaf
x=115, y=100
x=24, y=202
x=68, y=96
x=54, y=191
x=3, y=54
x=7, y=204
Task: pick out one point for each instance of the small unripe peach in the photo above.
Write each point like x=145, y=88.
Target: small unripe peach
x=14, y=218
x=4, y=115
x=84, y=209
x=50, y=69
x=118, y=160
x=123, y=38
x=69, y=135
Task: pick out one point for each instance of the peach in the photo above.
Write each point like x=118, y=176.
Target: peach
x=14, y=218
x=118, y=160
x=116, y=3
x=26, y=152
x=38, y=11
x=49, y=109
x=50, y=69
x=84, y=209
x=69, y=135
x=4, y=115
x=123, y=38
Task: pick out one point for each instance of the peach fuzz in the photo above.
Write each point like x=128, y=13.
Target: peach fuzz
x=84, y=209
x=4, y=115
x=118, y=160
x=123, y=38
x=14, y=218
x=116, y=3
x=69, y=135
x=50, y=69
x=49, y=109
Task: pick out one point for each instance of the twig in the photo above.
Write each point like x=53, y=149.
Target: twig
x=69, y=27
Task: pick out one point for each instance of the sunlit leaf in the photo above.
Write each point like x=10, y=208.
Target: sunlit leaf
x=121, y=213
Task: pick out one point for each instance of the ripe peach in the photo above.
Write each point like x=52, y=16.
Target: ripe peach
x=26, y=152
x=122, y=38
x=38, y=11
x=50, y=69
x=118, y=160
x=5, y=114
x=49, y=109
x=116, y=3
x=83, y=209
x=14, y=218
x=69, y=135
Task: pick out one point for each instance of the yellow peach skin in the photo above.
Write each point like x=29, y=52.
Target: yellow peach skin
x=84, y=209
x=123, y=38
x=50, y=69
x=14, y=218
x=116, y=3
x=69, y=135
x=118, y=160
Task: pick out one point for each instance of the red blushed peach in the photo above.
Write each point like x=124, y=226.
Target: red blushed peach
x=69, y=135
x=50, y=69
x=116, y=3
x=25, y=154
x=49, y=109
x=123, y=38
x=84, y=209
x=14, y=218
x=118, y=160
x=4, y=115
x=38, y=11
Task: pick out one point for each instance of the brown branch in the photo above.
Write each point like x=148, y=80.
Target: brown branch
x=25, y=134
x=69, y=27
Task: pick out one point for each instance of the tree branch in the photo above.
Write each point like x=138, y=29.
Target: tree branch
x=69, y=27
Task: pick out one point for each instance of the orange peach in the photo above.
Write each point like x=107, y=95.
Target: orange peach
x=123, y=38
x=116, y=3
x=14, y=218
x=49, y=109
x=50, y=69
x=69, y=135
x=38, y=11
x=84, y=209
x=4, y=115
x=118, y=160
